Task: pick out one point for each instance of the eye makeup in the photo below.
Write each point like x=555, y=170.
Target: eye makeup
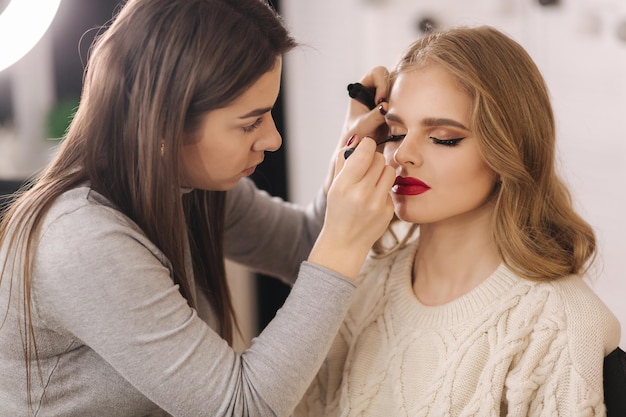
x=391, y=138
x=446, y=142
x=436, y=141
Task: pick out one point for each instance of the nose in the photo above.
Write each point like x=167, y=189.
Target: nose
x=408, y=152
x=269, y=140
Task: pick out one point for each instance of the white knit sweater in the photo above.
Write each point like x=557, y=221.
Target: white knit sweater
x=508, y=347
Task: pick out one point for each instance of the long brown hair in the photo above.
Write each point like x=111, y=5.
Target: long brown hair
x=151, y=76
x=537, y=231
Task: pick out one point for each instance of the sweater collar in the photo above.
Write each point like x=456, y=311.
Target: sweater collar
x=403, y=300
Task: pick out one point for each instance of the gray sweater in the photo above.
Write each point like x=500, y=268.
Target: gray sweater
x=116, y=338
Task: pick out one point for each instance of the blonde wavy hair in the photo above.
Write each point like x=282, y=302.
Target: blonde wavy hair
x=536, y=229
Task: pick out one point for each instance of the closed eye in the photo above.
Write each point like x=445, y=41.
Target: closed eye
x=392, y=138
x=253, y=126
x=445, y=142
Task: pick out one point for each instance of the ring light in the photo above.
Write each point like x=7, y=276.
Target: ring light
x=22, y=24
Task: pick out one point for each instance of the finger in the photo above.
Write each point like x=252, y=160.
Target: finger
x=386, y=180
x=360, y=160
x=377, y=180
x=350, y=147
x=381, y=191
x=345, y=152
x=373, y=176
x=370, y=123
x=376, y=185
x=378, y=78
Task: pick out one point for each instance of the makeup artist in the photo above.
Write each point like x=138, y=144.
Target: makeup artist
x=113, y=289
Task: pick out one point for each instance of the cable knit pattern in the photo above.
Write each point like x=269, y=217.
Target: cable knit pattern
x=508, y=347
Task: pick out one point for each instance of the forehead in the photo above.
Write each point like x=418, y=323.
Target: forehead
x=426, y=78
x=429, y=91
x=266, y=84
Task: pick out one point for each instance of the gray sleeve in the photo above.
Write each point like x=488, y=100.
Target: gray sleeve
x=270, y=235
x=100, y=282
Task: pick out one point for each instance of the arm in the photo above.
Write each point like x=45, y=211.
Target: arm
x=101, y=285
x=104, y=283
x=268, y=234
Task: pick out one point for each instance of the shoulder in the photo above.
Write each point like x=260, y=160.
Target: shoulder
x=84, y=208
x=572, y=306
x=82, y=211
x=88, y=249
x=593, y=330
x=588, y=329
x=83, y=222
x=589, y=320
x=564, y=325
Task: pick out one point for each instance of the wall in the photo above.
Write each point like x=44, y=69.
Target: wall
x=575, y=44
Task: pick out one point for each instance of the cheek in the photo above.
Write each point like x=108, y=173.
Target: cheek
x=199, y=165
x=477, y=179
x=190, y=164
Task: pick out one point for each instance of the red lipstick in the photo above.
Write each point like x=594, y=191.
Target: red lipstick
x=409, y=186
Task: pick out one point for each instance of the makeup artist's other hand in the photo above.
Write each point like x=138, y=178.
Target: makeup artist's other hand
x=361, y=121
x=359, y=210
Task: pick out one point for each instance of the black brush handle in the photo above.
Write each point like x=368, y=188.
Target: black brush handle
x=362, y=94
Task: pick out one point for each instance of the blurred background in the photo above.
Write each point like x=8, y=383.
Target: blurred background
x=579, y=45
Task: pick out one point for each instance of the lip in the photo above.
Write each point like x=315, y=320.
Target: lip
x=250, y=170
x=409, y=186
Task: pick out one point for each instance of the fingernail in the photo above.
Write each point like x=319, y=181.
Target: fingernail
x=350, y=140
x=348, y=152
x=382, y=110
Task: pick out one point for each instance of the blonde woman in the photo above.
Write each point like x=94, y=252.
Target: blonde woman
x=475, y=305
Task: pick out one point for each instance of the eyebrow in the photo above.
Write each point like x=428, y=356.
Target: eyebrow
x=256, y=112
x=430, y=121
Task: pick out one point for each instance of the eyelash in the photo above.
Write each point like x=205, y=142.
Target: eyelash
x=436, y=141
x=253, y=126
x=446, y=142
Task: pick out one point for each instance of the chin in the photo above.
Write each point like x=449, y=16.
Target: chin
x=402, y=212
x=221, y=186
x=411, y=217
x=226, y=185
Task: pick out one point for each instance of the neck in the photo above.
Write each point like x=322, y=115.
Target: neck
x=453, y=257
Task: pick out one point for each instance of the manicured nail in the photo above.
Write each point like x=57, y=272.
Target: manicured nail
x=348, y=152
x=382, y=110
x=350, y=140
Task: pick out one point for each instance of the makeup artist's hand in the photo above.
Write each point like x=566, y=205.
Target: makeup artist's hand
x=359, y=210
x=361, y=121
